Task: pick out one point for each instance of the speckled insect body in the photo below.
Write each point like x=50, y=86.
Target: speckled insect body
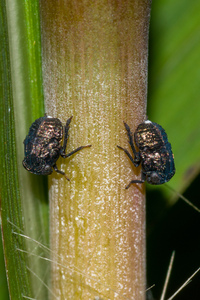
x=155, y=154
x=43, y=145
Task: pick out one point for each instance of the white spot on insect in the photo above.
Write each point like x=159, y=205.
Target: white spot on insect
x=147, y=122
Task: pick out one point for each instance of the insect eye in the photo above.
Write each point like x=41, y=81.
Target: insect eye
x=154, y=178
x=48, y=169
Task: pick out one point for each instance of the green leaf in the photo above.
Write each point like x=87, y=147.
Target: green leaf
x=3, y=282
x=174, y=82
x=24, y=207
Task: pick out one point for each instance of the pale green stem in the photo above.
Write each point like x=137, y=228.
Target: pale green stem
x=95, y=68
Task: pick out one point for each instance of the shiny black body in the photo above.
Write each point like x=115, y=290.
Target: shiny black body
x=43, y=145
x=155, y=153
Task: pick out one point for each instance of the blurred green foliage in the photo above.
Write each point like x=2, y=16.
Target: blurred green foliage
x=174, y=93
x=174, y=77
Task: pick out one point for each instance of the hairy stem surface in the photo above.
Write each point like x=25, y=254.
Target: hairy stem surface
x=95, y=68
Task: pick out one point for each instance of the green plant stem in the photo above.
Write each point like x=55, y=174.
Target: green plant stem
x=95, y=68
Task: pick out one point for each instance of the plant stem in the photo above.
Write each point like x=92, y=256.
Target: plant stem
x=95, y=68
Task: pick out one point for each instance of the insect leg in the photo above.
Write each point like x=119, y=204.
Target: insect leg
x=66, y=129
x=133, y=181
x=63, y=149
x=130, y=137
x=136, y=181
x=135, y=163
x=60, y=172
x=74, y=151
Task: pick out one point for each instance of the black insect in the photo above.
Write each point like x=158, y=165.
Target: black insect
x=42, y=145
x=155, y=153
